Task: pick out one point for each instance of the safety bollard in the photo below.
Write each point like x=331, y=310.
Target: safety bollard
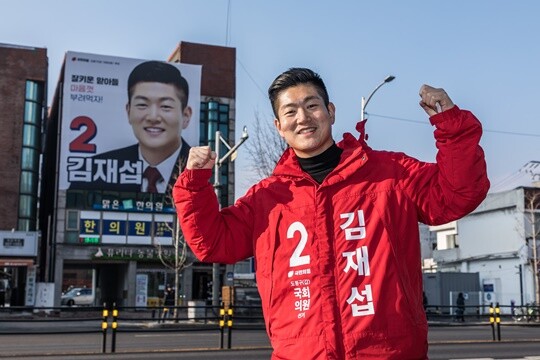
x=104, y=325
x=492, y=320
x=114, y=327
x=229, y=325
x=498, y=320
x=221, y=326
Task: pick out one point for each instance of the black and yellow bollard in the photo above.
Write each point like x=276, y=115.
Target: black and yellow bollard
x=221, y=325
x=492, y=320
x=114, y=326
x=498, y=320
x=104, y=326
x=229, y=325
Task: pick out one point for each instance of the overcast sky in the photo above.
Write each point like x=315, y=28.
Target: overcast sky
x=485, y=53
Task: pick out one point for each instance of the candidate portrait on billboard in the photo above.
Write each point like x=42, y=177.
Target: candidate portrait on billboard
x=127, y=124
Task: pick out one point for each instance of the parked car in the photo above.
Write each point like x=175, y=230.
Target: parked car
x=78, y=296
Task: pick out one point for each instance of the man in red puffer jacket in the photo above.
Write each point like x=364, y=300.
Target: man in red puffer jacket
x=334, y=230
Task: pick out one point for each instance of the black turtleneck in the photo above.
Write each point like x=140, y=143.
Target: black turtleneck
x=321, y=165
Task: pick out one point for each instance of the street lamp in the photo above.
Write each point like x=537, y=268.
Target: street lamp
x=365, y=102
x=217, y=188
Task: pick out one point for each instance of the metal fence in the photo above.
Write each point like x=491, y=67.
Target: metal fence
x=106, y=323
x=113, y=320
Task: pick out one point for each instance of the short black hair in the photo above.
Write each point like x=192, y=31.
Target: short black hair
x=161, y=72
x=294, y=77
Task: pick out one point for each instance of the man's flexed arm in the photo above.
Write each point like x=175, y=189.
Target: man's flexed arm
x=457, y=183
x=213, y=235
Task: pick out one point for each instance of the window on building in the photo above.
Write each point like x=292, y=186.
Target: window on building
x=244, y=266
x=80, y=199
x=72, y=220
x=29, y=159
x=116, y=200
x=156, y=283
x=215, y=116
x=447, y=240
x=452, y=240
x=31, y=138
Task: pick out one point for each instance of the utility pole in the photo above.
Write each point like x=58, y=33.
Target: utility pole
x=216, y=283
x=531, y=207
x=535, y=256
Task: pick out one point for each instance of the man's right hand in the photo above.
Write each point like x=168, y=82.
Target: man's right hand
x=201, y=157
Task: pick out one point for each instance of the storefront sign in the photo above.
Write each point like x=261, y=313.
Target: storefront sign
x=18, y=243
x=133, y=206
x=141, y=289
x=125, y=228
x=14, y=242
x=132, y=253
x=90, y=240
x=16, y=262
x=30, y=293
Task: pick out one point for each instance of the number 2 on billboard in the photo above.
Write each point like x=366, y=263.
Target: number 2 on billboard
x=82, y=142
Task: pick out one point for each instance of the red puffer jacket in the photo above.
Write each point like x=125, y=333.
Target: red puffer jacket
x=338, y=264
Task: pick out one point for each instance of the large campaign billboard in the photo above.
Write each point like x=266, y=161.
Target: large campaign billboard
x=127, y=124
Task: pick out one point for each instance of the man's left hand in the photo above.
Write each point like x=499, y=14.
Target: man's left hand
x=434, y=100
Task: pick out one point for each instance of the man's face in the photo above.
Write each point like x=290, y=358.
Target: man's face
x=304, y=121
x=156, y=116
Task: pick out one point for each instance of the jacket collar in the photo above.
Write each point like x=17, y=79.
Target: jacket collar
x=355, y=154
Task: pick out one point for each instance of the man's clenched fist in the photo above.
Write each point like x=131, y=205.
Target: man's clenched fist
x=201, y=157
x=434, y=100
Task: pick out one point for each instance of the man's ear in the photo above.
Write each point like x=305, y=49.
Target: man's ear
x=186, y=116
x=277, y=124
x=332, y=112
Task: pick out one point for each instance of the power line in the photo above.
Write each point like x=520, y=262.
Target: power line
x=251, y=77
x=424, y=123
x=227, y=42
x=399, y=119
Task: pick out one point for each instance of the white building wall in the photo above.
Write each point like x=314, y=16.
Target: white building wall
x=426, y=241
x=505, y=272
x=493, y=232
x=492, y=242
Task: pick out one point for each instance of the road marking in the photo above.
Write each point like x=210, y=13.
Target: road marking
x=171, y=335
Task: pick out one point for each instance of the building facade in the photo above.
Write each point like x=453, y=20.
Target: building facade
x=23, y=84
x=497, y=241
x=120, y=241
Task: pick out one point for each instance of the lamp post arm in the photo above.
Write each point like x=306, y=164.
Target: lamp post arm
x=365, y=102
x=231, y=150
x=373, y=92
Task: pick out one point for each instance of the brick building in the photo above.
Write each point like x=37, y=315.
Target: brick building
x=23, y=84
